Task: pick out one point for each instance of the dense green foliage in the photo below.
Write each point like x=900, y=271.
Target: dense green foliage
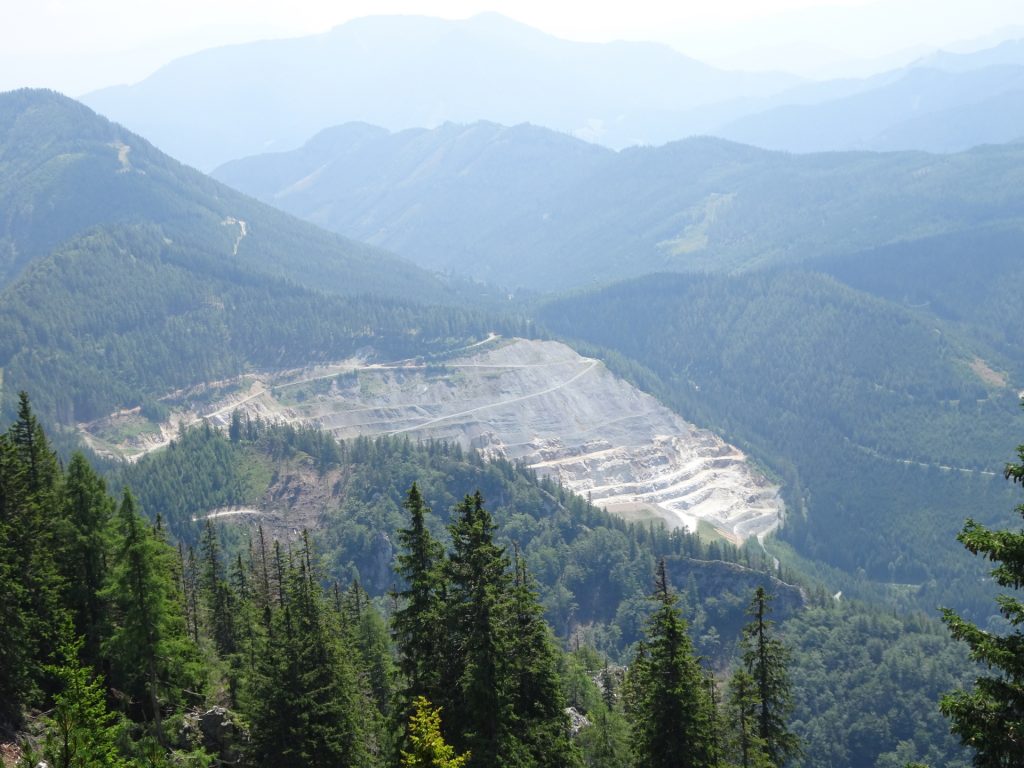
x=866, y=685
x=427, y=746
x=125, y=276
x=991, y=717
x=766, y=662
x=592, y=568
x=66, y=170
x=178, y=632
x=828, y=387
x=492, y=654
x=254, y=631
x=672, y=717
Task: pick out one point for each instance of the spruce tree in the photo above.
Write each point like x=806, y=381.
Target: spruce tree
x=31, y=588
x=669, y=707
x=80, y=732
x=478, y=582
x=766, y=659
x=86, y=519
x=427, y=747
x=746, y=747
x=306, y=707
x=148, y=650
x=16, y=657
x=417, y=623
x=990, y=719
x=538, y=721
x=218, y=597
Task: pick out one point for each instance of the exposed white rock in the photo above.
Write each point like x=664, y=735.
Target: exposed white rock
x=565, y=415
x=540, y=402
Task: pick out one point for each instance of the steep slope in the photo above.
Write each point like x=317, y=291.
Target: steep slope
x=535, y=402
x=526, y=207
x=65, y=170
x=124, y=274
x=886, y=428
x=437, y=196
x=410, y=71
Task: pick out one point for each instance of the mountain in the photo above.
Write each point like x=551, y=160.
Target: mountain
x=410, y=71
x=441, y=197
x=885, y=425
x=1007, y=52
x=908, y=112
x=523, y=206
x=537, y=403
x=125, y=275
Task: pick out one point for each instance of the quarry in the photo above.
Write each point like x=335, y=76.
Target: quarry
x=537, y=402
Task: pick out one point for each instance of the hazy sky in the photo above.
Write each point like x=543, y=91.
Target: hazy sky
x=79, y=45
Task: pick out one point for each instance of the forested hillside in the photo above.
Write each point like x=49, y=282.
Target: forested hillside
x=282, y=637
x=126, y=275
x=886, y=431
x=593, y=569
x=524, y=207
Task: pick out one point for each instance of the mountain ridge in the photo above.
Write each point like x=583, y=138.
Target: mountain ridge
x=126, y=274
x=418, y=71
x=553, y=212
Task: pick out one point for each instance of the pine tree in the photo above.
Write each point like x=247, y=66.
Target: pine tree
x=216, y=592
x=668, y=700
x=306, y=707
x=16, y=657
x=150, y=655
x=80, y=731
x=991, y=717
x=746, y=746
x=427, y=746
x=766, y=659
x=31, y=589
x=478, y=582
x=416, y=625
x=538, y=720
x=85, y=535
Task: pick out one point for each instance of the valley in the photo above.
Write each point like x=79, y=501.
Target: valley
x=590, y=385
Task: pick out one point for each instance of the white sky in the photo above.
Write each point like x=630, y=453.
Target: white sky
x=78, y=45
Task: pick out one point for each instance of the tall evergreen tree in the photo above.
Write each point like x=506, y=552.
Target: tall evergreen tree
x=80, y=732
x=478, y=581
x=306, y=707
x=766, y=659
x=670, y=710
x=217, y=594
x=85, y=549
x=31, y=588
x=150, y=655
x=417, y=623
x=538, y=719
x=746, y=747
x=16, y=656
x=991, y=717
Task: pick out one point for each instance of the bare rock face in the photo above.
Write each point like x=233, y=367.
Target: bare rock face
x=577, y=720
x=566, y=416
x=219, y=732
x=540, y=402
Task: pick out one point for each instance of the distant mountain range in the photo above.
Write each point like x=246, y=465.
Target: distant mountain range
x=417, y=72
x=854, y=337
x=404, y=72
x=527, y=207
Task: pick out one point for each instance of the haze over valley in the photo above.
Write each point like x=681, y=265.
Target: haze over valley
x=418, y=352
